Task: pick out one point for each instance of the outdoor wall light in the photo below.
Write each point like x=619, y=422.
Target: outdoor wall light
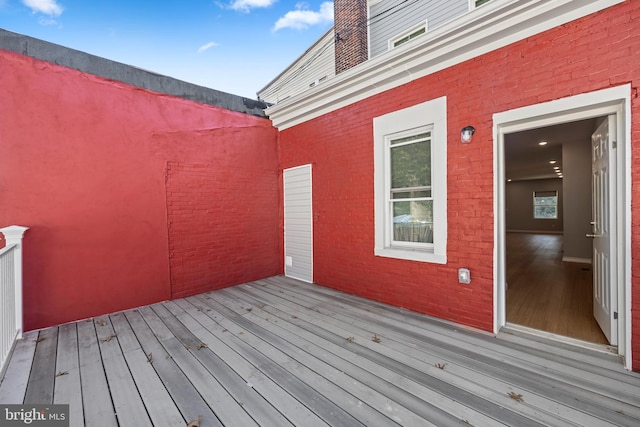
x=467, y=133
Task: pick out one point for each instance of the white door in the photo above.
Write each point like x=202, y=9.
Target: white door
x=298, y=223
x=603, y=214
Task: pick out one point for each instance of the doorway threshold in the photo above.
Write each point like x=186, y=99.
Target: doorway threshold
x=559, y=344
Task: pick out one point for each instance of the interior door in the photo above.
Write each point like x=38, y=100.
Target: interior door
x=603, y=214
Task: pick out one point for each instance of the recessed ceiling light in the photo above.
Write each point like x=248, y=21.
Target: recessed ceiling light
x=556, y=167
x=553, y=162
x=542, y=143
x=509, y=180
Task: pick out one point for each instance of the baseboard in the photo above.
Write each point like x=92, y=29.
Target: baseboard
x=577, y=260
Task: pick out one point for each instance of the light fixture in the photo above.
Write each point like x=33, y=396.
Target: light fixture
x=553, y=162
x=467, y=133
x=542, y=143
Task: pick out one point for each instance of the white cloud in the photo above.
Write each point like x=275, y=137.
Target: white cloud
x=302, y=17
x=207, y=46
x=247, y=5
x=48, y=7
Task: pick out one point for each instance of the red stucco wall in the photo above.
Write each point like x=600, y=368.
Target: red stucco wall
x=83, y=163
x=596, y=52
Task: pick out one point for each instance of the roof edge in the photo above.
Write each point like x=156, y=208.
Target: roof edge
x=493, y=26
x=128, y=74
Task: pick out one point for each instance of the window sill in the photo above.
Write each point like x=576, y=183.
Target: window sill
x=411, y=255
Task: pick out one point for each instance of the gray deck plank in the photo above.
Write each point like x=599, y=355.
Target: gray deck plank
x=187, y=398
x=595, y=394
x=160, y=406
x=129, y=408
x=598, y=367
x=592, y=361
x=251, y=402
x=394, y=357
x=287, y=374
x=280, y=352
x=530, y=379
x=41, y=380
x=538, y=407
x=419, y=400
x=373, y=407
x=96, y=398
x=229, y=411
x=13, y=386
x=68, y=388
x=207, y=330
x=315, y=361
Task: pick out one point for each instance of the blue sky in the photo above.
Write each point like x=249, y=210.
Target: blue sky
x=235, y=46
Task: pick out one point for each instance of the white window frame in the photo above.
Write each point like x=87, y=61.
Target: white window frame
x=393, y=40
x=431, y=114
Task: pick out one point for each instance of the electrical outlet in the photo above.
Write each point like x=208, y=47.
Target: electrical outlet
x=464, y=276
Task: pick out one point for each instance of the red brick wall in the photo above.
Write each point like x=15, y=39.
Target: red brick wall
x=593, y=53
x=83, y=163
x=223, y=220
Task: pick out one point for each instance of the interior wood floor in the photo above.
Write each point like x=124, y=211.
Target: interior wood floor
x=279, y=352
x=546, y=293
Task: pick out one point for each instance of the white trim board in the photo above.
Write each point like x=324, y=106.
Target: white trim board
x=615, y=100
x=482, y=30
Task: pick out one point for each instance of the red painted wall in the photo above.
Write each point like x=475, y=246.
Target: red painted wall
x=83, y=163
x=596, y=52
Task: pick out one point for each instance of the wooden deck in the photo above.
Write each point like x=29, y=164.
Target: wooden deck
x=278, y=352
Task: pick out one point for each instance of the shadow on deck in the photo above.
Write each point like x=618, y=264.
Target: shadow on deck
x=279, y=352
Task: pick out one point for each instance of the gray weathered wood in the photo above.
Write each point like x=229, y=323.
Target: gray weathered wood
x=41, y=380
x=282, y=374
x=597, y=392
x=278, y=352
x=207, y=329
x=186, y=396
x=223, y=405
x=16, y=377
x=130, y=409
x=68, y=388
x=98, y=409
x=251, y=402
x=160, y=406
x=410, y=398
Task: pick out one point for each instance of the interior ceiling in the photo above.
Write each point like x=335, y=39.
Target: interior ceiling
x=525, y=159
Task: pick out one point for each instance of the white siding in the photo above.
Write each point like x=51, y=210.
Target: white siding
x=400, y=17
x=298, y=223
x=316, y=63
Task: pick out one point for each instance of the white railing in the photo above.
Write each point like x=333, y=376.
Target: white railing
x=10, y=291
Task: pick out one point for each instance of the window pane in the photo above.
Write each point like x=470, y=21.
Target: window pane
x=545, y=204
x=418, y=194
x=411, y=165
x=410, y=36
x=545, y=200
x=546, y=212
x=413, y=221
x=411, y=138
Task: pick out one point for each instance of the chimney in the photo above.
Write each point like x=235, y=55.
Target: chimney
x=350, y=26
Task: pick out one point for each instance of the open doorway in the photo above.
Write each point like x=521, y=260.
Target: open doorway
x=548, y=204
x=609, y=189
